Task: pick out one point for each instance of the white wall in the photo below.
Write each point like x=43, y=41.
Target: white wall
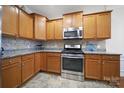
x=116, y=43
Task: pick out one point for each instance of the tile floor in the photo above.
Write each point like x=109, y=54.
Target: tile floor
x=45, y=80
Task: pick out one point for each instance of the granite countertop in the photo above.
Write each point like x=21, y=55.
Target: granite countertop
x=13, y=53
x=101, y=52
x=9, y=54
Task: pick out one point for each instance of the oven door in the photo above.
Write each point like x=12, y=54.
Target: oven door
x=72, y=64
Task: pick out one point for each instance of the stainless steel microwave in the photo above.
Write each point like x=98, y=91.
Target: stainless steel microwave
x=72, y=33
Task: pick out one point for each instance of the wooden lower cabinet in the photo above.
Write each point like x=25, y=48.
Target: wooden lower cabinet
x=102, y=67
x=17, y=70
x=43, y=62
x=54, y=62
x=111, y=68
x=93, y=69
x=37, y=62
x=27, y=67
x=11, y=72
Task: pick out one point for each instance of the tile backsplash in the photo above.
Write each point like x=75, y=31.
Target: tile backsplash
x=86, y=45
x=9, y=43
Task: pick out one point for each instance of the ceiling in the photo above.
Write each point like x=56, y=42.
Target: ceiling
x=56, y=11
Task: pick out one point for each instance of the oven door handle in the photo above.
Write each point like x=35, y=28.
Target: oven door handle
x=73, y=57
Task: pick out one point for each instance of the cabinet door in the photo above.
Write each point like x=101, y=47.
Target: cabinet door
x=115, y=70
x=37, y=62
x=10, y=20
x=27, y=69
x=58, y=29
x=111, y=70
x=53, y=63
x=67, y=20
x=25, y=25
x=106, y=74
x=50, y=30
x=11, y=73
x=93, y=69
x=104, y=25
x=77, y=20
x=11, y=76
x=40, y=27
x=90, y=27
x=43, y=62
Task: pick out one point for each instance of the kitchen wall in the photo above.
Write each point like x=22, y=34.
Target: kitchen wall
x=9, y=43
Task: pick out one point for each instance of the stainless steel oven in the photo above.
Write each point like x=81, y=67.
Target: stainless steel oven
x=73, y=66
x=72, y=33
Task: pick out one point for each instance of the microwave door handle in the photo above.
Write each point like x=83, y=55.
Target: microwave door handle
x=78, y=33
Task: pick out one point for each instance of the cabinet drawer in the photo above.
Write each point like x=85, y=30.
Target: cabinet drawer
x=27, y=57
x=15, y=60
x=53, y=54
x=5, y=62
x=11, y=61
x=96, y=57
x=111, y=57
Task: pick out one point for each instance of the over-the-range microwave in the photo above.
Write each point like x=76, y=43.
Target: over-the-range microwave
x=73, y=33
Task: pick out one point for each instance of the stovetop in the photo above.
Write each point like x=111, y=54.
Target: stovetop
x=72, y=51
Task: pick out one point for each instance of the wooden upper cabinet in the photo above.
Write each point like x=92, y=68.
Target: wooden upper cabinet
x=10, y=20
x=104, y=25
x=67, y=20
x=50, y=30
x=77, y=20
x=25, y=25
x=72, y=20
x=58, y=29
x=97, y=25
x=54, y=29
x=39, y=27
x=90, y=26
